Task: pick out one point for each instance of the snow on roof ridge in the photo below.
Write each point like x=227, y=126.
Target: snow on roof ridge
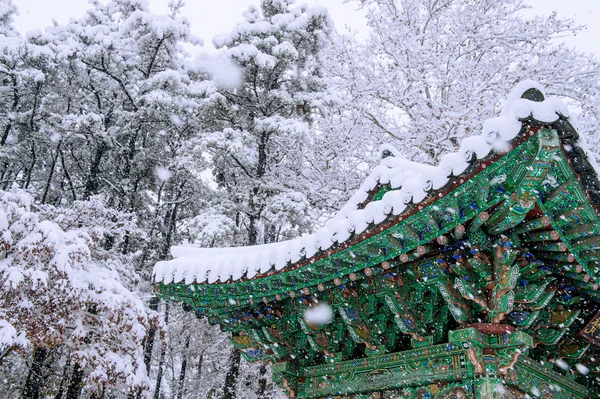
x=412, y=183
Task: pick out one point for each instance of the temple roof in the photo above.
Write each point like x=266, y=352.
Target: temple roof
x=406, y=184
x=493, y=256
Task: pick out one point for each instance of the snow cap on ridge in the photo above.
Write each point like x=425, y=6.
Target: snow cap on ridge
x=517, y=93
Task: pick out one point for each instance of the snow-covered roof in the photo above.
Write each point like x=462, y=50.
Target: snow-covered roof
x=410, y=182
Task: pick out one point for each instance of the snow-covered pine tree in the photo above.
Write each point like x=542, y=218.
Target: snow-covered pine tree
x=11, y=65
x=104, y=104
x=259, y=150
x=122, y=107
x=431, y=71
x=23, y=87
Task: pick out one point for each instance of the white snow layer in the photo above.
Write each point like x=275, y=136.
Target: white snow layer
x=411, y=182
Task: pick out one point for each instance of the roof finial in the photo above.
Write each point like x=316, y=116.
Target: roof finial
x=526, y=89
x=533, y=94
x=386, y=153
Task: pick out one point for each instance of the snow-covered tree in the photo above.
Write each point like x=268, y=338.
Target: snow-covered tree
x=104, y=104
x=10, y=43
x=110, y=101
x=65, y=287
x=431, y=71
x=260, y=140
x=261, y=137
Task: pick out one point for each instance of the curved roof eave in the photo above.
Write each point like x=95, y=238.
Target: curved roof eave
x=411, y=183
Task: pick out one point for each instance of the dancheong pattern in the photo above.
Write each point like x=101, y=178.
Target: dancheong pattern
x=474, y=292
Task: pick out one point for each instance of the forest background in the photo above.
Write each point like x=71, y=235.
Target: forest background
x=118, y=139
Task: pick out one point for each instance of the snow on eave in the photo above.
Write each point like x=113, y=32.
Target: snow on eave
x=411, y=183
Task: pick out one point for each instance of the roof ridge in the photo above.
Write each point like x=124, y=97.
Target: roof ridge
x=411, y=182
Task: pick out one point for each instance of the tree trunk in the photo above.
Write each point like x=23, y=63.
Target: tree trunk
x=183, y=367
x=67, y=175
x=256, y=208
x=160, y=372
x=200, y=362
x=91, y=185
x=32, y=130
x=6, y=133
x=61, y=389
x=252, y=230
x=170, y=221
x=30, y=170
x=149, y=344
x=14, y=107
x=74, y=389
x=50, y=174
x=262, y=382
x=35, y=379
x=229, y=390
x=161, y=362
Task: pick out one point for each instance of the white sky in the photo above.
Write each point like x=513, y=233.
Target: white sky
x=211, y=17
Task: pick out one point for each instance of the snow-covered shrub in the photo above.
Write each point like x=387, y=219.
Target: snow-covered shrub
x=62, y=286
